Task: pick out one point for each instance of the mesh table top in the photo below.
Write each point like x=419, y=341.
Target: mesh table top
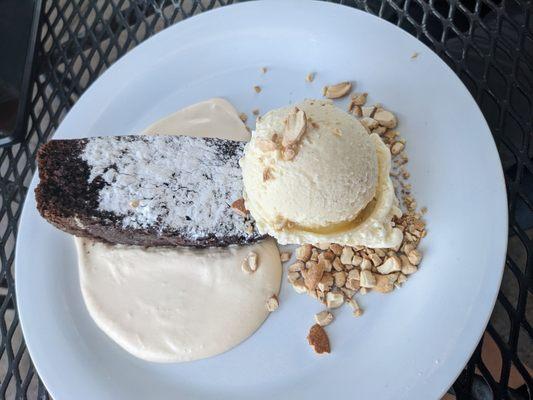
x=488, y=43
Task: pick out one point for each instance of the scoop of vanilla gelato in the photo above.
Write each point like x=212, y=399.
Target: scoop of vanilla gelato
x=334, y=187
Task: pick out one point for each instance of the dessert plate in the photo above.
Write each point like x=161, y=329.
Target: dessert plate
x=410, y=344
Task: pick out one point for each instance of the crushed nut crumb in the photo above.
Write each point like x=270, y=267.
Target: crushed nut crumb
x=338, y=90
x=356, y=110
x=295, y=127
x=238, y=207
x=397, y=148
x=267, y=174
x=314, y=254
x=383, y=284
x=285, y=256
x=366, y=264
x=249, y=264
x=313, y=274
x=303, y=253
x=415, y=257
x=367, y=279
x=347, y=255
x=322, y=246
x=265, y=145
x=318, y=339
x=292, y=277
x=385, y=118
x=334, y=299
x=297, y=266
x=326, y=282
x=272, y=303
x=336, y=249
x=288, y=154
x=369, y=122
x=376, y=260
x=324, y=318
x=359, y=99
x=357, y=311
x=391, y=264
x=299, y=286
x=368, y=111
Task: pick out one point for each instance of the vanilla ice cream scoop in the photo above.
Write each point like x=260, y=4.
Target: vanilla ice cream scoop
x=312, y=173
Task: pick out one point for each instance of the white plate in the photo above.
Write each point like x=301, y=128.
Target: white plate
x=408, y=345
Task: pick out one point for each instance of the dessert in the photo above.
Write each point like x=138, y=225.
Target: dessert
x=145, y=190
x=313, y=174
x=171, y=304
x=334, y=273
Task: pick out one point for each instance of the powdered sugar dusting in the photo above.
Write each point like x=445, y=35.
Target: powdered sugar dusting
x=171, y=183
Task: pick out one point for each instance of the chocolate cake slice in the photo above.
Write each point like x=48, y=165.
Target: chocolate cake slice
x=145, y=190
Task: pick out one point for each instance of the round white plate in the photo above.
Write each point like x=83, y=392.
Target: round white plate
x=410, y=344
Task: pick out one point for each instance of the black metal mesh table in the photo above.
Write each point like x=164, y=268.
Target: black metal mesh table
x=488, y=43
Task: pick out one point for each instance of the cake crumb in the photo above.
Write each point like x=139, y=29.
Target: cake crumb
x=264, y=70
x=310, y=77
x=257, y=89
